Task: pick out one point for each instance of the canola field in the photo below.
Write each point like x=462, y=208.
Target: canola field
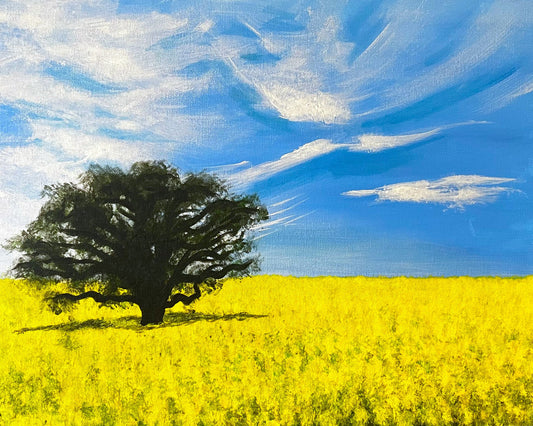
x=272, y=350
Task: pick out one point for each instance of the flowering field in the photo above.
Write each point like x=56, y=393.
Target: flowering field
x=278, y=350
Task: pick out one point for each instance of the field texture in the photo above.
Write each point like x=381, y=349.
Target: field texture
x=278, y=350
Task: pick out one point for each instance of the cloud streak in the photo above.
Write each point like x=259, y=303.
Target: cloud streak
x=279, y=218
x=472, y=49
x=287, y=161
x=376, y=143
x=453, y=191
x=369, y=143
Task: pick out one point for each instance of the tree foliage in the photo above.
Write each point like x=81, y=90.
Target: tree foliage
x=144, y=234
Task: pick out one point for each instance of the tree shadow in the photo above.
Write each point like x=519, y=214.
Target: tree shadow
x=132, y=322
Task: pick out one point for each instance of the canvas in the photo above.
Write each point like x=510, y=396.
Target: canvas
x=390, y=142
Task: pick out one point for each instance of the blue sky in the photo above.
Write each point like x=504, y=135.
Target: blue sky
x=386, y=137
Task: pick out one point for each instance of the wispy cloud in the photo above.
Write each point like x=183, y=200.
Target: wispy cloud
x=282, y=211
x=284, y=201
x=72, y=143
x=524, y=89
x=16, y=211
x=453, y=191
x=230, y=168
x=90, y=35
x=376, y=143
x=410, y=29
x=301, y=155
x=370, y=143
x=301, y=105
x=88, y=41
x=279, y=217
x=28, y=168
x=292, y=85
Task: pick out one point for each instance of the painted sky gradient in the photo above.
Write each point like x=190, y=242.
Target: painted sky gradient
x=387, y=137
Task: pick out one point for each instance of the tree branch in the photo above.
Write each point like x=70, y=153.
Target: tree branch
x=104, y=241
x=29, y=268
x=78, y=246
x=98, y=297
x=212, y=228
x=200, y=255
x=215, y=274
x=186, y=300
x=221, y=205
x=217, y=253
x=121, y=202
x=217, y=204
x=214, y=236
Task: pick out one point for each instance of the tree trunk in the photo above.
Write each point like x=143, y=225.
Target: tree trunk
x=152, y=312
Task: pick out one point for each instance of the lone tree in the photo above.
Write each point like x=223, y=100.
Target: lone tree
x=145, y=235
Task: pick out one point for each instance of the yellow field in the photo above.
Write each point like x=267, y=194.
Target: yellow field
x=277, y=350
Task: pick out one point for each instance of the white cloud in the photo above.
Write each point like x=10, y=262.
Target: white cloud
x=299, y=156
x=43, y=94
x=296, y=92
x=283, y=202
x=298, y=105
x=376, y=143
x=279, y=217
x=293, y=85
x=91, y=39
x=454, y=191
x=366, y=143
x=524, y=89
x=27, y=169
x=16, y=212
x=136, y=109
x=106, y=46
x=90, y=147
x=205, y=26
x=230, y=168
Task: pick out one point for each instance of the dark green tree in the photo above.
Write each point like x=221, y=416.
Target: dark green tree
x=146, y=235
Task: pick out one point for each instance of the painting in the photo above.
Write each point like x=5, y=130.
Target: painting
x=386, y=138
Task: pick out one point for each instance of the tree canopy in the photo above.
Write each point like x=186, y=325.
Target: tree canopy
x=145, y=235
